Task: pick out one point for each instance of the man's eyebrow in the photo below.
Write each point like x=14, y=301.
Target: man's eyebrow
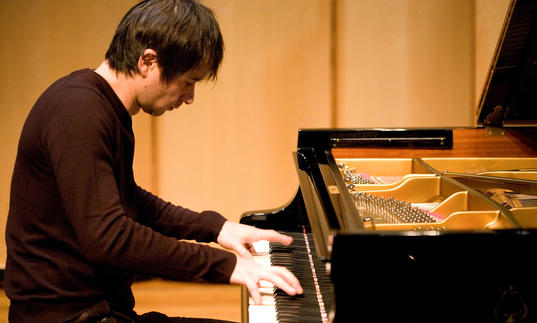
x=193, y=79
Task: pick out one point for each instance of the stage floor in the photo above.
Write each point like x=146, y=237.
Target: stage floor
x=176, y=299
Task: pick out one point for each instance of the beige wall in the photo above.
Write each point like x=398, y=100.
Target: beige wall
x=399, y=63
x=414, y=63
x=405, y=63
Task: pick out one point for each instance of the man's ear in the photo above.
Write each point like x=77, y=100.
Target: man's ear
x=147, y=61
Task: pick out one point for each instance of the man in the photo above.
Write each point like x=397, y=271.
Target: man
x=79, y=228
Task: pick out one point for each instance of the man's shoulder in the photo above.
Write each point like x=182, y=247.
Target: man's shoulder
x=84, y=81
x=75, y=84
x=77, y=98
x=78, y=91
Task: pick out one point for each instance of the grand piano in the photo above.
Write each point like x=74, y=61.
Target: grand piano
x=418, y=225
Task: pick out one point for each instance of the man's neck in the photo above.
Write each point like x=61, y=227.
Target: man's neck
x=123, y=85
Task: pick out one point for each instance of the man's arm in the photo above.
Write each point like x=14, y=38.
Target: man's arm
x=83, y=157
x=230, y=235
x=175, y=221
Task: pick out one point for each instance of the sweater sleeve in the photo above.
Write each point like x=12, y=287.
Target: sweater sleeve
x=82, y=153
x=176, y=221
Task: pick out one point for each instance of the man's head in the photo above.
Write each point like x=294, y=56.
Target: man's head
x=184, y=34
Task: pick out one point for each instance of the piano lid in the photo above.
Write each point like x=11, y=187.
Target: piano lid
x=509, y=97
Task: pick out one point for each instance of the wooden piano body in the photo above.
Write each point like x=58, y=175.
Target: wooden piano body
x=468, y=254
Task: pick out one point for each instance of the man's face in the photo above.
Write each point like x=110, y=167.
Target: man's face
x=157, y=96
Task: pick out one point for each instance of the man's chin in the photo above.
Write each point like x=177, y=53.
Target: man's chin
x=157, y=113
x=154, y=112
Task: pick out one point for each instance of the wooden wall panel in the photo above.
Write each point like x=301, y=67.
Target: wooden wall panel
x=231, y=150
x=405, y=63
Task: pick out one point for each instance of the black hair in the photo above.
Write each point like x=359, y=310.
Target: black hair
x=184, y=34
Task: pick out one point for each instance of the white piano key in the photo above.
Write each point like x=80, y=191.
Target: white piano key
x=261, y=247
x=266, y=284
x=265, y=300
x=266, y=290
x=263, y=260
x=262, y=314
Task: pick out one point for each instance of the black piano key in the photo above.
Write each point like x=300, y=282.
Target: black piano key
x=296, y=258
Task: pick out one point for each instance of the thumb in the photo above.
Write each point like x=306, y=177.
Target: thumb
x=240, y=249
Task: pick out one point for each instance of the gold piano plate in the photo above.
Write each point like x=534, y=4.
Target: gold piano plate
x=437, y=197
x=521, y=168
x=380, y=173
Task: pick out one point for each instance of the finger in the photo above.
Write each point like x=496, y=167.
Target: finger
x=240, y=249
x=274, y=236
x=254, y=291
x=283, y=279
x=251, y=248
x=280, y=283
x=289, y=278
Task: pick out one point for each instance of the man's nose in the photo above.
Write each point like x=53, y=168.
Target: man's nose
x=188, y=97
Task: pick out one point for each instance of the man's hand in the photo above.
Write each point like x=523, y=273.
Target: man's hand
x=249, y=273
x=239, y=237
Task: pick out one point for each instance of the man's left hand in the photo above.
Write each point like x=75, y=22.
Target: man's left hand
x=239, y=237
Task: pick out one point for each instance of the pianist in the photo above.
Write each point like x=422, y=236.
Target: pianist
x=79, y=228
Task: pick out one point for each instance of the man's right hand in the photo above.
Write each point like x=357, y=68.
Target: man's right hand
x=249, y=273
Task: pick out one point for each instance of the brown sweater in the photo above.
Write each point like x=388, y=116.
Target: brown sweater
x=79, y=227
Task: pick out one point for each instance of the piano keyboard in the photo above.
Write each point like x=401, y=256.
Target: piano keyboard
x=301, y=259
